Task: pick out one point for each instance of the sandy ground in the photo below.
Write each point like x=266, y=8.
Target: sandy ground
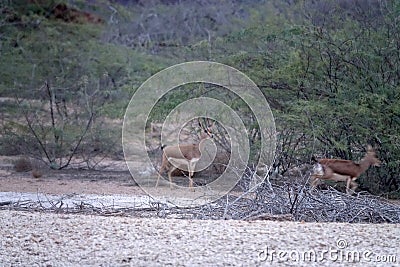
x=111, y=189
x=43, y=239
x=67, y=182
x=118, y=181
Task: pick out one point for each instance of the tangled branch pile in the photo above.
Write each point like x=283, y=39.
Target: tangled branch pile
x=268, y=202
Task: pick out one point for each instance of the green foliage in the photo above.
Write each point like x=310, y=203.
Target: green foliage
x=333, y=83
x=89, y=80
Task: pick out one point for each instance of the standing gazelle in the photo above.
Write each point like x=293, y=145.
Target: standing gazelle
x=183, y=157
x=340, y=170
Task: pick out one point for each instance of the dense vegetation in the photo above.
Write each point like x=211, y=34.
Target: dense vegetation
x=329, y=69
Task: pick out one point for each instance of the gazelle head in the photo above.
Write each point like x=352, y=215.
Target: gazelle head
x=371, y=157
x=207, y=133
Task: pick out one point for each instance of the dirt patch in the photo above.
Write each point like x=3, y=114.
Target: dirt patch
x=59, y=186
x=67, y=181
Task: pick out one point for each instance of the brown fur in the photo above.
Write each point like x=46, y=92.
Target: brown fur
x=184, y=156
x=344, y=170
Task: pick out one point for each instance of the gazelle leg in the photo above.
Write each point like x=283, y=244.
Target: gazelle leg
x=159, y=175
x=314, y=181
x=351, y=186
x=164, y=167
x=170, y=175
x=191, y=183
x=158, y=179
x=191, y=168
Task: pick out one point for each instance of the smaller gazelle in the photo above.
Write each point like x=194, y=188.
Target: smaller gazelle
x=340, y=170
x=183, y=157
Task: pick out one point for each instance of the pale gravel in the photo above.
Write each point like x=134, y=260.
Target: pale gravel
x=45, y=239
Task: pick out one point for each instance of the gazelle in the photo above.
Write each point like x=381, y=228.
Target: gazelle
x=183, y=157
x=340, y=170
